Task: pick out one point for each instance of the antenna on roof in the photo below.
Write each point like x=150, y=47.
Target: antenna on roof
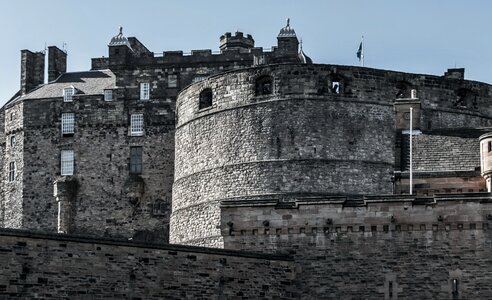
x=64, y=47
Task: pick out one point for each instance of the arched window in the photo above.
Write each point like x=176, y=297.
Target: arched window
x=205, y=99
x=264, y=85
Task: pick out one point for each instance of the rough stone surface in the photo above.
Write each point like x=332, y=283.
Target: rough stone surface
x=61, y=267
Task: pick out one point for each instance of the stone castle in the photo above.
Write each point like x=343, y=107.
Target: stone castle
x=243, y=174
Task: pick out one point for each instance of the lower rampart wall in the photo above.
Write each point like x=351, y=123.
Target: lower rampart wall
x=388, y=248
x=68, y=267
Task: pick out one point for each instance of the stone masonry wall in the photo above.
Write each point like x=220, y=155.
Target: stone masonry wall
x=101, y=145
x=60, y=267
x=381, y=248
x=13, y=206
x=296, y=140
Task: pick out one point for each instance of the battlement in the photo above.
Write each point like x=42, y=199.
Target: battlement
x=236, y=41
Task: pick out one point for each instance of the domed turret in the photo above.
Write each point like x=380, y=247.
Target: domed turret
x=119, y=40
x=303, y=58
x=287, y=31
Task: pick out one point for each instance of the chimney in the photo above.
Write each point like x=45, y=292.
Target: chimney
x=457, y=73
x=32, y=70
x=57, y=62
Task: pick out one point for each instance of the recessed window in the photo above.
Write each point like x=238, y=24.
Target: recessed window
x=11, y=171
x=136, y=124
x=67, y=162
x=68, y=123
x=136, y=161
x=264, y=85
x=144, y=91
x=68, y=94
x=335, y=87
x=205, y=98
x=489, y=146
x=12, y=141
x=172, y=80
x=108, y=95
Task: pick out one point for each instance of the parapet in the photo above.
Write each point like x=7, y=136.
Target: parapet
x=236, y=41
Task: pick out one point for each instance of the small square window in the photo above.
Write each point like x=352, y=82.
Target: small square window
x=108, y=95
x=67, y=162
x=172, y=80
x=144, y=91
x=136, y=124
x=68, y=94
x=68, y=123
x=11, y=171
x=136, y=160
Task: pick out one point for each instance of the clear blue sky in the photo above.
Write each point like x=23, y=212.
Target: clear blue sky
x=420, y=36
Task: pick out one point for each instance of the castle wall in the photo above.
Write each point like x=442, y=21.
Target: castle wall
x=57, y=266
x=13, y=142
x=380, y=248
x=304, y=138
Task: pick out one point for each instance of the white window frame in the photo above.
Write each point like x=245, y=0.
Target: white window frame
x=67, y=163
x=68, y=94
x=11, y=171
x=108, y=95
x=172, y=83
x=136, y=125
x=144, y=91
x=67, y=123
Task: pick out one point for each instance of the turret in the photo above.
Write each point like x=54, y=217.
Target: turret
x=236, y=41
x=119, y=49
x=287, y=40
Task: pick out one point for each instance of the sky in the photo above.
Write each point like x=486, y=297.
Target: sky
x=417, y=36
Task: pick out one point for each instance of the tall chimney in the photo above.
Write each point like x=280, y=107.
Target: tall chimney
x=57, y=62
x=32, y=70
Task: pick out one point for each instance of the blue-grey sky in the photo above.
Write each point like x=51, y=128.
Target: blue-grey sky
x=420, y=36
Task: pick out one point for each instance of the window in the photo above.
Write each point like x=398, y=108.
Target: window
x=68, y=94
x=199, y=78
x=136, y=124
x=335, y=87
x=68, y=120
x=136, y=160
x=264, y=85
x=12, y=141
x=11, y=171
x=66, y=163
x=144, y=91
x=489, y=146
x=172, y=81
x=108, y=95
x=205, y=99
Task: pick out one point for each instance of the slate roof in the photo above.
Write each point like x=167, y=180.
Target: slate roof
x=437, y=152
x=85, y=83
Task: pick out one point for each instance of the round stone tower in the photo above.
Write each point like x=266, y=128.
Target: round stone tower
x=486, y=158
x=280, y=131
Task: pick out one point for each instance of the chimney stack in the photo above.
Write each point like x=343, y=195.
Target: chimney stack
x=32, y=70
x=57, y=62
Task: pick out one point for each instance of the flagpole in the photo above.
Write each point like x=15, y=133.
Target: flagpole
x=411, y=167
x=362, y=54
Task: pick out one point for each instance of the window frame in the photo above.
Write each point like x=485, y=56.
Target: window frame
x=108, y=95
x=144, y=91
x=175, y=84
x=67, y=124
x=11, y=171
x=68, y=94
x=67, y=163
x=137, y=124
x=136, y=160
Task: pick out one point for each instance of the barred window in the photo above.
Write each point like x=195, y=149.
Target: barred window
x=67, y=161
x=68, y=123
x=144, y=91
x=136, y=124
x=136, y=160
x=68, y=94
x=12, y=171
x=108, y=95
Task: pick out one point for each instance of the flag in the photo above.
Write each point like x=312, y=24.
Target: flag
x=359, y=52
